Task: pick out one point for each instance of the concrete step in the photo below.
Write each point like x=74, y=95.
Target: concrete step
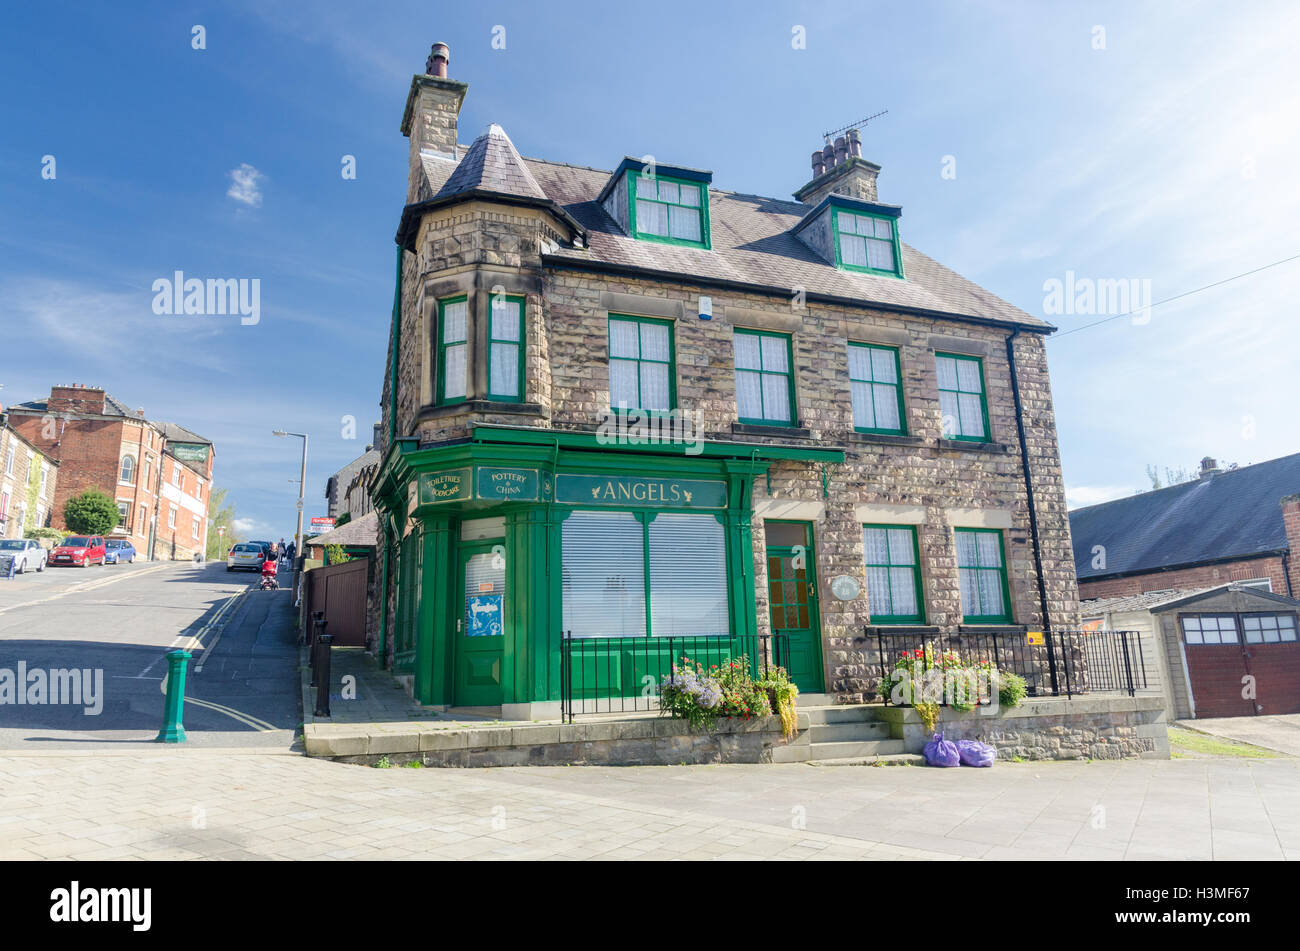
x=888, y=759
x=839, y=713
x=862, y=748
x=790, y=753
x=816, y=700
x=853, y=730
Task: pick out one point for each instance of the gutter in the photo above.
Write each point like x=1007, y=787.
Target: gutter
x=1033, y=512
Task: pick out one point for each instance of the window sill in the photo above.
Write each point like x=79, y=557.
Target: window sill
x=883, y=439
x=963, y=445
x=777, y=432
x=992, y=628
x=902, y=629
x=479, y=406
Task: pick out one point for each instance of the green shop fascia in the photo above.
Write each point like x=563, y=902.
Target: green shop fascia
x=500, y=544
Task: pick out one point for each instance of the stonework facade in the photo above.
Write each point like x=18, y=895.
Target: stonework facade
x=28, y=482
x=478, y=246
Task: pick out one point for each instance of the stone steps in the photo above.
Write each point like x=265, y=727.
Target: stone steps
x=859, y=730
x=889, y=759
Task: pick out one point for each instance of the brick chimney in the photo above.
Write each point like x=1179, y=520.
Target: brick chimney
x=1291, y=520
x=1209, y=468
x=429, y=120
x=840, y=168
x=77, y=398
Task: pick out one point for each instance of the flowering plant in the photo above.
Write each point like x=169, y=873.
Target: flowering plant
x=701, y=694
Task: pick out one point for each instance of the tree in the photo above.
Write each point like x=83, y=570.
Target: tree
x=91, y=513
x=220, y=515
x=343, y=520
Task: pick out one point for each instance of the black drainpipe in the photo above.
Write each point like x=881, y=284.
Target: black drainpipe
x=1286, y=572
x=1033, y=511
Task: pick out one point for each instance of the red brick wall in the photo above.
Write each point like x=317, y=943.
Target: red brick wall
x=88, y=455
x=1203, y=576
x=1291, y=519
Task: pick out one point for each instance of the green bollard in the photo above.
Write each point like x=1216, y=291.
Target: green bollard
x=172, y=730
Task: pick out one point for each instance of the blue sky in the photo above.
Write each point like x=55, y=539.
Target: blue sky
x=1154, y=142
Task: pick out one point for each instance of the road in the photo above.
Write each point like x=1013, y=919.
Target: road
x=117, y=623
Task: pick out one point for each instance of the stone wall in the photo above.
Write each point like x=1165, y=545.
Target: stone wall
x=1056, y=728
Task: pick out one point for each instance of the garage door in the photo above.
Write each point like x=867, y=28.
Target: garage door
x=1228, y=655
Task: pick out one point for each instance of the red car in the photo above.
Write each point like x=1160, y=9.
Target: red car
x=80, y=550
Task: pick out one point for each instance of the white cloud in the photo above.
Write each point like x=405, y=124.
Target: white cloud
x=1078, y=496
x=245, y=187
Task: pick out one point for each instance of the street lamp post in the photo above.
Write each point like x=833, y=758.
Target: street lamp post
x=302, y=486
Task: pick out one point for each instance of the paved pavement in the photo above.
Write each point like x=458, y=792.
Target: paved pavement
x=1281, y=733
x=192, y=803
x=117, y=622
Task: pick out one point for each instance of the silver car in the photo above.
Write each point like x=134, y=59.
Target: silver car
x=21, y=554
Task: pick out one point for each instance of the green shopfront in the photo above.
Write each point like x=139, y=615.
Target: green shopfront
x=502, y=545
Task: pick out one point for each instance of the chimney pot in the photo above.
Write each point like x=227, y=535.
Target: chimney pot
x=1208, y=467
x=439, y=58
x=818, y=163
x=855, y=143
x=828, y=156
x=841, y=151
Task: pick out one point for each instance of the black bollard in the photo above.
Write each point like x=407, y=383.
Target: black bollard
x=323, y=677
x=313, y=651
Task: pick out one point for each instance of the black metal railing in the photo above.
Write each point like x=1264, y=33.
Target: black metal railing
x=623, y=674
x=1056, y=663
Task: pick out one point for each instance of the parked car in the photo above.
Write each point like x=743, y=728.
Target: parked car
x=21, y=554
x=80, y=551
x=266, y=547
x=246, y=555
x=118, y=550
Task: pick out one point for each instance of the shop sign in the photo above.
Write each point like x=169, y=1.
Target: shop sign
x=452, y=485
x=639, y=492
x=505, y=485
x=189, y=451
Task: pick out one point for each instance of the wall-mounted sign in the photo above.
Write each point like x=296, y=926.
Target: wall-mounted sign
x=639, y=492
x=483, y=616
x=1034, y=638
x=845, y=587
x=189, y=451
x=506, y=485
x=450, y=486
x=321, y=523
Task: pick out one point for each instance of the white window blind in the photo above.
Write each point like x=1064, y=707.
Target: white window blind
x=603, y=577
x=688, y=576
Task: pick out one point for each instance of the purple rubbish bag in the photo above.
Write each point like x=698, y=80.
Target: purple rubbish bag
x=974, y=753
x=940, y=752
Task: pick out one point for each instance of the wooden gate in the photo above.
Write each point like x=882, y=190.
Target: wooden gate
x=339, y=591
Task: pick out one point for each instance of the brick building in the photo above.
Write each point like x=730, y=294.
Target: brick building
x=27, y=483
x=160, y=474
x=629, y=406
x=1237, y=525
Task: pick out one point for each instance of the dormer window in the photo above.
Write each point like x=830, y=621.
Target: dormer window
x=666, y=203
x=668, y=209
x=866, y=242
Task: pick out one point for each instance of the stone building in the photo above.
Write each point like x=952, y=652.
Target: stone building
x=347, y=492
x=160, y=474
x=626, y=406
x=1238, y=525
x=27, y=483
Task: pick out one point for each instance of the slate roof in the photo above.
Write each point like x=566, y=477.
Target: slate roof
x=359, y=531
x=492, y=164
x=1134, y=602
x=1234, y=514
x=115, y=407
x=752, y=242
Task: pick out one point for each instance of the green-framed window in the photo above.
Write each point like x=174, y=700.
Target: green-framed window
x=673, y=210
x=982, y=570
x=764, y=377
x=867, y=243
x=453, y=349
x=644, y=574
x=506, y=349
x=893, y=561
x=961, y=397
x=876, y=383
x=641, y=371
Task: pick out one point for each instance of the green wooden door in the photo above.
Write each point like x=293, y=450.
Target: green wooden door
x=792, y=603
x=480, y=629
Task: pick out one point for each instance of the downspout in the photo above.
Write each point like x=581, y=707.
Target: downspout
x=1033, y=511
x=1286, y=572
